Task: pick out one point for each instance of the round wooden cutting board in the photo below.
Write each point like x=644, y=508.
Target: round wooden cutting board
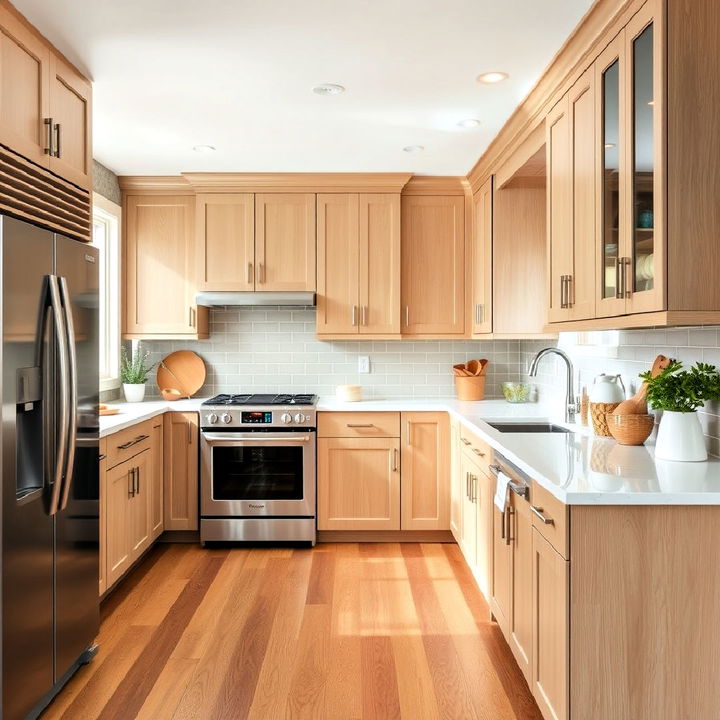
x=183, y=371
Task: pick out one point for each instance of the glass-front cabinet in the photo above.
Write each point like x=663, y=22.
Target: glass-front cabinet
x=631, y=226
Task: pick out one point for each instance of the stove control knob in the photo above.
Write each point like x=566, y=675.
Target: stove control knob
x=286, y=418
x=300, y=418
x=226, y=418
x=212, y=418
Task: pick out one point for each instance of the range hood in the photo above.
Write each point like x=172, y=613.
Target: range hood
x=296, y=299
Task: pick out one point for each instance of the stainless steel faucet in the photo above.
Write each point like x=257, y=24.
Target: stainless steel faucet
x=571, y=402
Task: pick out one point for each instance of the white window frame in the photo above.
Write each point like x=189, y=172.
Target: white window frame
x=109, y=214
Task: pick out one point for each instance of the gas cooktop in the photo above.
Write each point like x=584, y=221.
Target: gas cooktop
x=262, y=399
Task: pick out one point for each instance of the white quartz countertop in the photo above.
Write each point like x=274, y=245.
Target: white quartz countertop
x=577, y=468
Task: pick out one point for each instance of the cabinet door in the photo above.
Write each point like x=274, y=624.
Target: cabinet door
x=484, y=541
x=337, y=245
x=470, y=477
x=379, y=264
x=70, y=110
x=358, y=484
x=521, y=606
x=24, y=82
x=285, y=242
x=559, y=208
x=155, y=506
x=580, y=290
x=180, y=472
x=457, y=483
x=433, y=265
x=612, y=195
x=501, y=598
x=550, y=589
x=425, y=496
x=159, y=259
x=118, y=548
x=482, y=259
x=139, y=525
x=102, y=572
x=225, y=233
x=645, y=261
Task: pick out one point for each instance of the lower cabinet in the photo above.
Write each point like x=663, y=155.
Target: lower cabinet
x=370, y=479
x=102, y=572
x=180, y=471
x=358, y=484
x=457, y=487
x=550, y=628
x=157, y=510
x=521, y=605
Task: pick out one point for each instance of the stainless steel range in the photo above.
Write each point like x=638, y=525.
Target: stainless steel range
x=258, y=468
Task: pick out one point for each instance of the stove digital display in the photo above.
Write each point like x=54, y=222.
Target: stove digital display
x=257, y=417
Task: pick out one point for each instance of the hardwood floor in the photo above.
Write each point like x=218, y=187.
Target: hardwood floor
x=346, y=631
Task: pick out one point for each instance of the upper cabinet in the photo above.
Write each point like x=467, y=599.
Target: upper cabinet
x=45, y=104
x=433, y=265
x=358, y=264
x=263, y=242
x=481, y=305
x=159, y=256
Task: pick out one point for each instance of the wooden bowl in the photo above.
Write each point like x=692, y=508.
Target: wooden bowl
x=171, y=394
x=630, y=429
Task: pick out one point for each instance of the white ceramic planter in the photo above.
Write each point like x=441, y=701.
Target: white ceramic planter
x=680, y=437
x=134, y=392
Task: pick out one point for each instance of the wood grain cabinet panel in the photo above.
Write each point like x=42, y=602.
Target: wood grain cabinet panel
x=155, y=505
x=159, y=268
x=180, y=440
x=225, y=233
x=457, y=483
x=521, y=605
x=425, y=497
x=470, y=476
x=102, y=571
x=70, y=109
x=550, y=629
x=24, y=79
x=118, y=548
x=481, y=306
x=139, y=521
x=285, y=242
x=484, y=531
x=358, y=484
x=358, y=424
x=501, y=586
x=433, y=265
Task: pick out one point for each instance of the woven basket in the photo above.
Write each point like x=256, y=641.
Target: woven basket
x=598, y=411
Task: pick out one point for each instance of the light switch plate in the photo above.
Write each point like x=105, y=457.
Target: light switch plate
x=363, y=364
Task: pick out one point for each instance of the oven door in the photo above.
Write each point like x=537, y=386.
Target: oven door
x=258, y=474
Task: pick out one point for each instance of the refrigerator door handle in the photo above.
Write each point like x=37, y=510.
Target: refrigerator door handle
x=69, y=378
x=62, y=359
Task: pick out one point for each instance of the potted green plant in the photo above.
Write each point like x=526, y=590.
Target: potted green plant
x=679, y=393
x=133, y=373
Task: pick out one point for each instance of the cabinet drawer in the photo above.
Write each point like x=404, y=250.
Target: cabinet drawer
x=476, y=449
x=128, y=442
x=555, y=528
x=359, y=424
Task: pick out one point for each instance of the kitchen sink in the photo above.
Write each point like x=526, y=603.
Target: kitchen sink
x=528, y=427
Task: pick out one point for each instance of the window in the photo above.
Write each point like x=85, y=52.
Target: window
x=106, y=237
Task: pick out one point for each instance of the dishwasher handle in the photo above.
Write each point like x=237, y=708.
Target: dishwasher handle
x=519, y=488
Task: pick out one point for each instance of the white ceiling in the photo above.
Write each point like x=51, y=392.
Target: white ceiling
x=237, y=74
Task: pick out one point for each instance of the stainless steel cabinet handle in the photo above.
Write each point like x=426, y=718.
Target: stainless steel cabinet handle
x=502, y=524
x=478, y=452
x=359, y=425
x=189, y=433
x=395, y=460
x=131, y=482
x=627, y=278
x=562, y=292
x=479, y=313
x=464, y=441
x=568, y=291
x=467, y=484
x=474, y=488
x=538, y=512
x=101, y=456
x=250, y=273
x=353, y=316
x=508, y=514
x=407, y=316
x=58, y=141
x=49, y=150
x=137, y=479
x=620, y=278
x=364, y=315
x=192, y=316
x=261, y=273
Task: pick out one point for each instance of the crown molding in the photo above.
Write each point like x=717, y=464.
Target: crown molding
x=155, y=184
x=435, y=185
x=599, y=24
x=297, y=182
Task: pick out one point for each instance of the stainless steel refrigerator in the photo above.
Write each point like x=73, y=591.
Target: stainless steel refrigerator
x=49, y=450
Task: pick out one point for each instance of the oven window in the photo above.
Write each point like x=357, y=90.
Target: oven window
x=257, y=473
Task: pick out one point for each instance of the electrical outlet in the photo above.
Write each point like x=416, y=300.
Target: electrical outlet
x=363, y=364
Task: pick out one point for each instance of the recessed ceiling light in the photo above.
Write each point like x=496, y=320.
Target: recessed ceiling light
x=204, y=148
x=469, y=123
x=328, y=89
x=492, y=77
x=413, y=148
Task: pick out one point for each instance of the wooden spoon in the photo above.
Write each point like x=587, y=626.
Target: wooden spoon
x=483, y=366
x=460, y=370
x=637, y=404
x=473, y=367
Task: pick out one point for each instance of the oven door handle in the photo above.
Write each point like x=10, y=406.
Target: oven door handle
x=232, y=439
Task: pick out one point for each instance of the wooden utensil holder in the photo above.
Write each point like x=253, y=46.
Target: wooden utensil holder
x=470, y=388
